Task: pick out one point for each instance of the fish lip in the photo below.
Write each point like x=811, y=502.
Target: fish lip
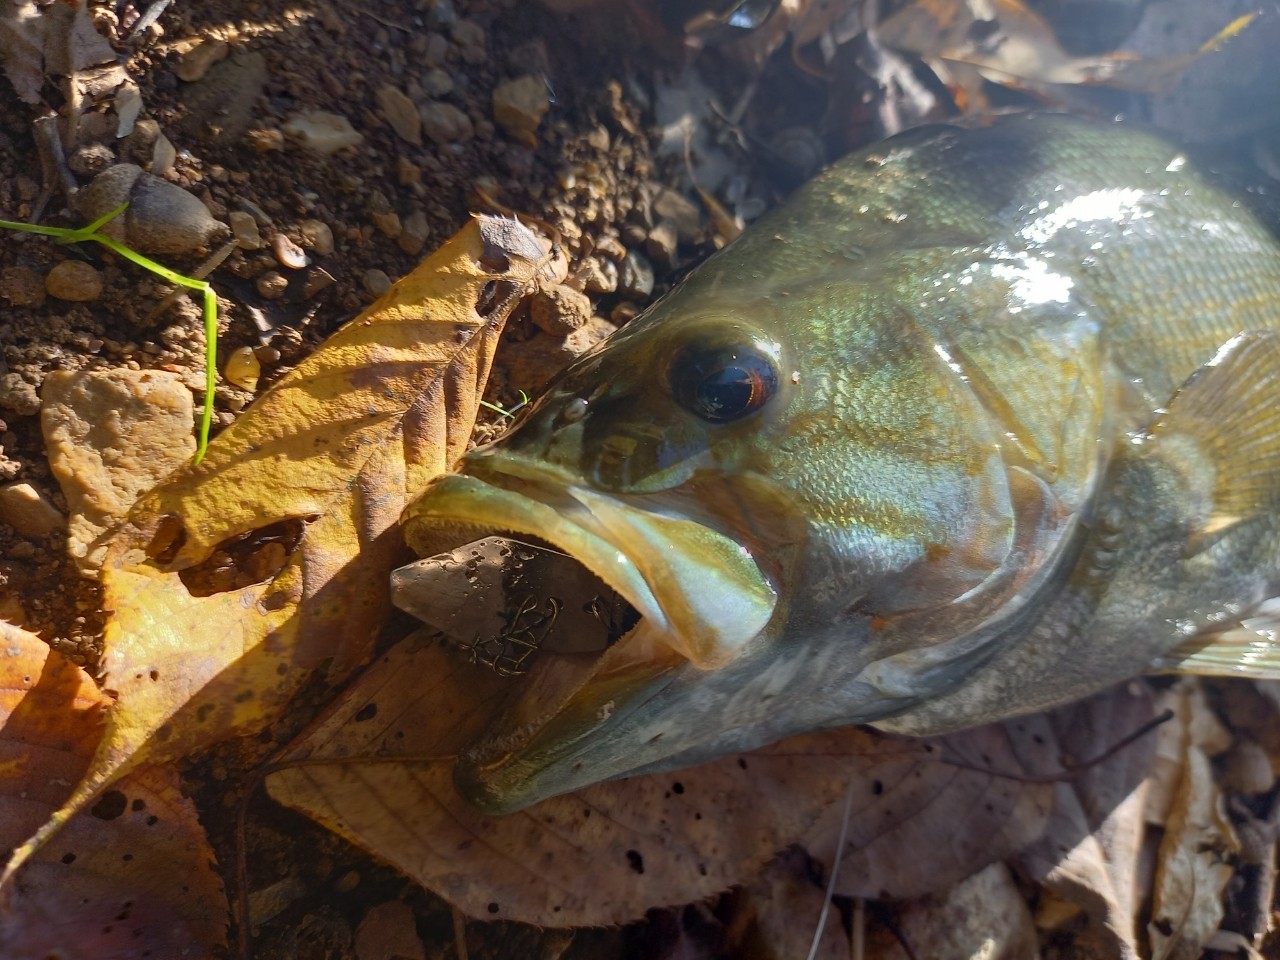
x=536, y=509
x=700, y=587
x=569, y=719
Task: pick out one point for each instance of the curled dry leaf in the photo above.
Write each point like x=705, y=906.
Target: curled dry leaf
x=1089, y=855
x=106, y=888
x=229, y=584
x=1193, y=864
x=377, y=770
x=1010, y=44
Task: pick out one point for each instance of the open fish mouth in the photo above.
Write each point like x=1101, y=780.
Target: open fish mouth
x=660, y=594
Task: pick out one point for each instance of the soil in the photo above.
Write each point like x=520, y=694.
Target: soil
x=598, y=170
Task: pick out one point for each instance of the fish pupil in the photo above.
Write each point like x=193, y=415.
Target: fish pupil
x=723, y=385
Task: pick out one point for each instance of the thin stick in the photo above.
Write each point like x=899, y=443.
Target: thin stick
x=835, y=869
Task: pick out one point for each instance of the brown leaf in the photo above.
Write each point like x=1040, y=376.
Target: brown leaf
x=378, y=771
x=54, y=38
x=1089, y=854
x=984, y=917
x=229, y=584
x=1012, y=45
x=1193, y=863
x=108, y=887
x=929, y=813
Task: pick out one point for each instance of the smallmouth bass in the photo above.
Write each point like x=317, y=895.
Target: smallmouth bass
x=983, y=419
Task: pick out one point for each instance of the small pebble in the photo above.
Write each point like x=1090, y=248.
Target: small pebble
x=22, y=286
x=437, y=83
x=376, y=282
x=559, y=309
x=598, y=275
x=90, y=159
x=635, y=279
x=662, y=243
x=195, y=63
x=470, y=38
x=444, y=123
x=318, y=279
x=388, y=223
x=271, y=285
x=28, y=511
x=266, y=354
x=435, y=50
x=245, y=230
x=316, y=235
x=243, y=368
x=401, y=113
x=323, y=132
x=519, y=106
x=74, y=280
x=18, y=395
x=287, y=253
x=414, y=235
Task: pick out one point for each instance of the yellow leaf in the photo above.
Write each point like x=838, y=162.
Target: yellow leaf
x=117, y=862
x=229, y=584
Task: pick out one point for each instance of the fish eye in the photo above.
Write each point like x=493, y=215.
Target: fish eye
x=722, y=384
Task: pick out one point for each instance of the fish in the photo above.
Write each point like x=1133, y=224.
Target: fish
x=981, y=420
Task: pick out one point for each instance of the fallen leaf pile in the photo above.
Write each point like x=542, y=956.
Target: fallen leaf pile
x=228, y=585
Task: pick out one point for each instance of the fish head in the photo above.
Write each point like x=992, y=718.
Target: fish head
x=790, y=491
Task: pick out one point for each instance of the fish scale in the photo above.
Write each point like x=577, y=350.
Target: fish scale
x=981, y=420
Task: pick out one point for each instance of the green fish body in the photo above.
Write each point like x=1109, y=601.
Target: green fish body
x=983, y=419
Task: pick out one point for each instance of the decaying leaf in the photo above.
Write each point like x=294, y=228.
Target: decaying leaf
x=1011, y=44
x=985, y=917
x=60, y=39
x=1089, y=855
x=228, y=585
x=1192, y=867
x=777, y=914
x=378, y=771
x=107, y=888
x=933, y=815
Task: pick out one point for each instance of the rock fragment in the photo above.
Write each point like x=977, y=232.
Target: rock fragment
x=316, y=235
x=28, y=511
x=112, y=435
x=519, y=106
x=325, y=133
x=74, y=280
x=443, y=123
x=245, y=230
x=196, y=61
x=401, y=113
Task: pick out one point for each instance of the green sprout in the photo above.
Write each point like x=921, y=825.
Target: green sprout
x=68, y=235
x=510, y=414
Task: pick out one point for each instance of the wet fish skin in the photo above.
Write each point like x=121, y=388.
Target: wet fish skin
x=961, y=497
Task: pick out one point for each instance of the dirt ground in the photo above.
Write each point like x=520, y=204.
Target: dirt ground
x=597, y=167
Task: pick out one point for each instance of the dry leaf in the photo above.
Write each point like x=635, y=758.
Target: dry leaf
x=776, y=915
x=933, y=812
x=982, y=918
x=54, y=38
x=378, y=771
x=311, y=480
x=1012, y=45
x=1089, y=855
x=1193, y=867
x=131, y=877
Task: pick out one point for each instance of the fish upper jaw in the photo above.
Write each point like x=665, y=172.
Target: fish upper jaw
x=701, y=597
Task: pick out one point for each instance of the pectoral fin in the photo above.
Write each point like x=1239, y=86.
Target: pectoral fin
x=1230, y=411
x=1223, y=431
x=1251, y=650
